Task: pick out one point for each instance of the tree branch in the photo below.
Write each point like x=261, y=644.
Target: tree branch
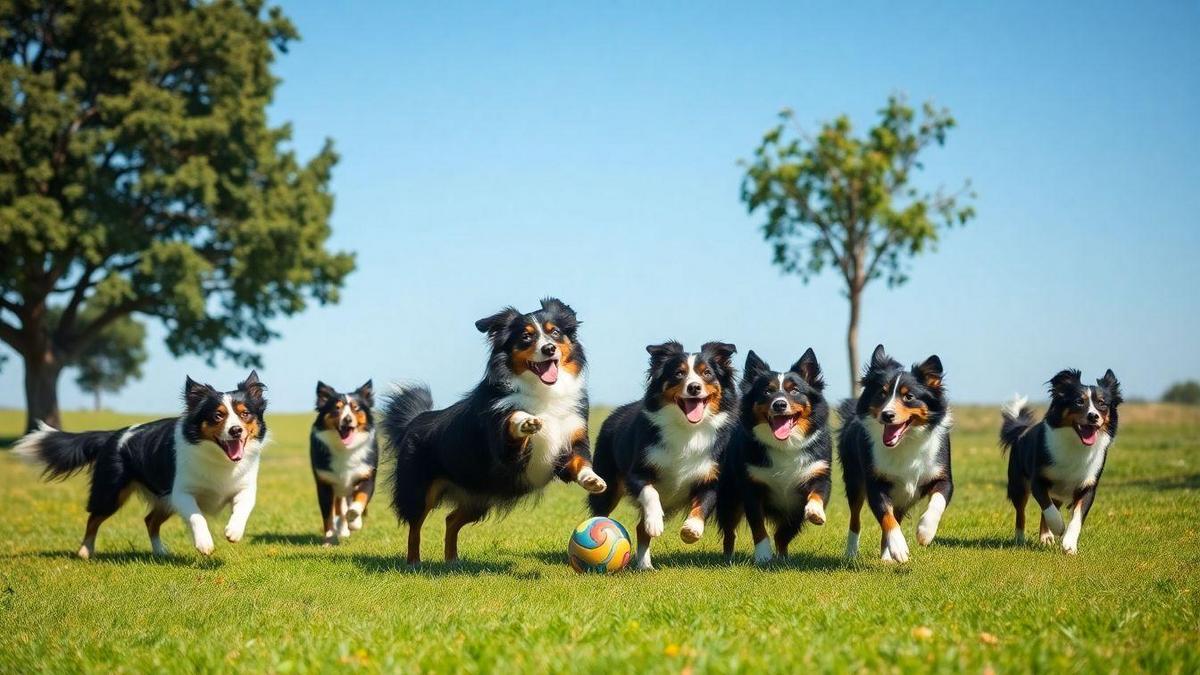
x=11, y=336
x=81, y=338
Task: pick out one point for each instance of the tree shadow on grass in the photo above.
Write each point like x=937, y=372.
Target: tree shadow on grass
x=287, y=538
x=386, y=564
x=123, y=558
x=974, y=542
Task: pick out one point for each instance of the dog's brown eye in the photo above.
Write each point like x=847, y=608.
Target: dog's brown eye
x=909, y=398
x=1079, y=401
x=709, y=376
x=246, y=415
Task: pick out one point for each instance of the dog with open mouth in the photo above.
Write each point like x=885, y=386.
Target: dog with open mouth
x=344, y=455
x=894, y=447
x=777, y=467
x=664, y=451
x=193, y=465
x=1060, y=460
x=522, y=426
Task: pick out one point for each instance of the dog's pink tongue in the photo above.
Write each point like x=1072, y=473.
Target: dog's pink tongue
x=233, y=449
x=548, y=372
x=346, y=435
x=892, y=434
x=1087, y=435
x=782, y=426
x=693, y=408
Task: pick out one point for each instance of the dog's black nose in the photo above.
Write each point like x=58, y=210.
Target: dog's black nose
x=694, y=389
x=1093, y=418
x=549, y=349
x=887, y=416
x=236, y=432
x=779, y=405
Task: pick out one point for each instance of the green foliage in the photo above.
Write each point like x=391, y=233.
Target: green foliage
x=113, y=358
x=138, y=174
x=848, y=201
x=1186, y=392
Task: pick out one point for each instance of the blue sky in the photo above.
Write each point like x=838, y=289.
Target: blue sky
x=495, y=154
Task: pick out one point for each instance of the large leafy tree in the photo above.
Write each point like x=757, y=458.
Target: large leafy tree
x=139, y=175
x=846, y=201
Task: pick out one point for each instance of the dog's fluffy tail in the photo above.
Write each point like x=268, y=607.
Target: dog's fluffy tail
x=61, y=454
x=1017, y=417
x=401, y=408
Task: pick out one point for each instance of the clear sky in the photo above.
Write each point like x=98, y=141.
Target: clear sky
x=492, y=155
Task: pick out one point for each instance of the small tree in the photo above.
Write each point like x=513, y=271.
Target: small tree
x=112, y=359
x=139, y=175
x=1187, y=392
x=847, y=201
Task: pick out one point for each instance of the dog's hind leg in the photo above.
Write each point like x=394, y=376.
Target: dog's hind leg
x=154, y=522
x=455, y=521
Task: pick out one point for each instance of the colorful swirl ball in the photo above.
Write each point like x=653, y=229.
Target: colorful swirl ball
x=600, y=546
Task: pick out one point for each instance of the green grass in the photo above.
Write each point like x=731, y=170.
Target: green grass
x=278, y=602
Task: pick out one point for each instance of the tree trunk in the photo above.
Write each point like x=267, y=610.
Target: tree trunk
x=41, y=390
x=96, y=394
x=852, y=340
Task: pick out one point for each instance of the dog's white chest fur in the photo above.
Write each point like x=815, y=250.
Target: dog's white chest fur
x=347, y=464
x=684, y=454
x=557, y=406
x=204, y=472
x=790, y=465
x=912, y=463
x=1074, y=465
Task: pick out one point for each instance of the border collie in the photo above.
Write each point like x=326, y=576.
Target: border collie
x=895, y=450
x=778, y=463
x=1060, y=460
x=192, y=465
x=345, y=457
x=665, y=450
x=522, y=426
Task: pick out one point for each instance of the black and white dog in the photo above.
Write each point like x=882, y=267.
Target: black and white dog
x=345, y=457
x=192, y=465
x=1060, y=459
x=522, y=426
x=895, y=450
x=665, y=450
x=777, y=467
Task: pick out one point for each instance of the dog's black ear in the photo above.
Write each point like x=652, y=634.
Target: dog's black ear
x=1110, y=383
x=253, y=386
x=754, y=369
x=880, y=358
x=493, y=325
x=721, y=352
x=660, y=354
x=563, y=315
x=194, y=393
x=809, y=370
x=1063, y=381
x=367, y=393
x=930, y=372
x=324, y=394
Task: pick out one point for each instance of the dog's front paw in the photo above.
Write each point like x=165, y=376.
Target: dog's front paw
x=204, y=542
x=926, y=530
x=353, y=511
x=1047, y=538
x=343, y=528
x=234, y=533
x=1070, y=544
x=762, y=552
x=589, y=480
x=814, y=512
x=653, y=524
x=692, y=530
x=529, y=426
x=1054, y=520
x=897, y=547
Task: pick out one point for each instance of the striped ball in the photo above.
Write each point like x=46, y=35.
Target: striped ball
x=599, y=545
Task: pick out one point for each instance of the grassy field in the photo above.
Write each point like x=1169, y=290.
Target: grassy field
x=279, y=602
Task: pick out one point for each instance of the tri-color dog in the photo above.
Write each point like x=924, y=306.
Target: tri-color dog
x=1060, y=459
x=895, y=451
x=522, y=426
x=193, y=465
x=665, y=450
x=777, y=467
x=344, y=456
